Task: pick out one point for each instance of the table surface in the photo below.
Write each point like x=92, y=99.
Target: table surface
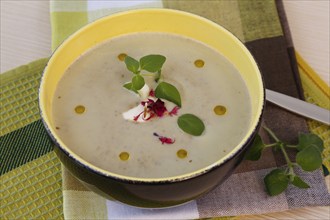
x=309, y=25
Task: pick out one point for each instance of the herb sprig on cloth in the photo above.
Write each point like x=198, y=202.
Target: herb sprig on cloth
x=309, y=158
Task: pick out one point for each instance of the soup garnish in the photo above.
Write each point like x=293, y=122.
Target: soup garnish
x=164, y=140
x=153, y=63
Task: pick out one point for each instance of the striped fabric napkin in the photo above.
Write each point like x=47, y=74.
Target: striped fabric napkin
x=31, y=174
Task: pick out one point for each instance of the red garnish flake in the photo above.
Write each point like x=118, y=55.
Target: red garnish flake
x=164, y=140
x=174, y=111
x=152, y=93
x=149, y=102
x=137, y=117
x=154, y=109
x=159, y=108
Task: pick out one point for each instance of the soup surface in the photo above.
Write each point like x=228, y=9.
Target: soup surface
x=90, y=100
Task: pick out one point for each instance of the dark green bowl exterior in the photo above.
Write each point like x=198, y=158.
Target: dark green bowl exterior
x=153, y=194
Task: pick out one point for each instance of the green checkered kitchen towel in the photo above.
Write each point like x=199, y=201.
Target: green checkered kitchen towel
x=31, y=174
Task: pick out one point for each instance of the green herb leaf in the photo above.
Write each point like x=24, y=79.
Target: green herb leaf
x=309, y=158
x=276, y=182
x=169, y=92
x=298, y=182
x=191, y=124
x=254, y=153
x=152, y=63
x=158, y=75
x=138, y=82
x=306, y=140
x=129, y=87
x=132, y=64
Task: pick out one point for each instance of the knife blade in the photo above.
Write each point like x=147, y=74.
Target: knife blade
x=298, y=106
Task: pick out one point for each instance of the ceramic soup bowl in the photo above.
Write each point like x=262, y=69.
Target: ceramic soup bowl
x=145, y=157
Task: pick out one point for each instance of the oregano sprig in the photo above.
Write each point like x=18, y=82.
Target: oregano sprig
x=309, y=158
x=151, y=63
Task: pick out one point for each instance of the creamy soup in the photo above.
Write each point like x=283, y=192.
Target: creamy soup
x=90, y=101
